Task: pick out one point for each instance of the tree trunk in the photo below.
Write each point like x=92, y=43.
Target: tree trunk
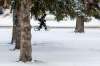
x=25, y=46
x=13, y=34
x=79, y=24
x=18, y=35
x=14, y=26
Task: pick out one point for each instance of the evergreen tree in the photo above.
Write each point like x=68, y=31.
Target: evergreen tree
x=79, y=9
x=93, y=8
x=38, y=8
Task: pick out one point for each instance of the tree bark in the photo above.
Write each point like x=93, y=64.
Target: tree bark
x=14, y=26
x=13, y=34
x=16, y=31
x=79, y=24
x=25, y=46
x=18, y=35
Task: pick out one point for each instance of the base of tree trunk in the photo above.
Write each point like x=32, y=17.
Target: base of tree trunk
x=25, y=59
x=79, y=31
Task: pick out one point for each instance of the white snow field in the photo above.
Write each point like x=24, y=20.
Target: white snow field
x=56, y=47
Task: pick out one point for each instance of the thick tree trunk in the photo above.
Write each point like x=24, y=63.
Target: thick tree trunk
x=16, y=27
x=79, y=24
x=18, y=36
x=25, y=46
x=25, y=49
x=18, y=30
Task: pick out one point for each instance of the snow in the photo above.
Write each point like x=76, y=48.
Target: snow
x=55, y=47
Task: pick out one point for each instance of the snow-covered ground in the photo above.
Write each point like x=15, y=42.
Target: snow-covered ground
x=56, y=47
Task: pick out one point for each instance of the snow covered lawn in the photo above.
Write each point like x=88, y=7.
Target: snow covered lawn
x=56, y=47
